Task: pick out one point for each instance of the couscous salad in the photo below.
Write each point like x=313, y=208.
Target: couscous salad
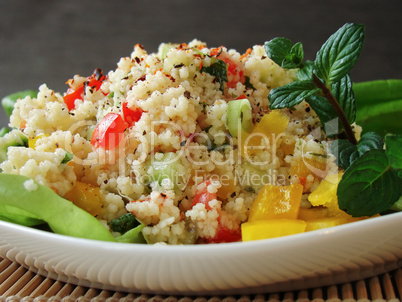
x=194, y=144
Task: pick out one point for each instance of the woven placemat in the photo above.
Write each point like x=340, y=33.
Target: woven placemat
x=19, y=284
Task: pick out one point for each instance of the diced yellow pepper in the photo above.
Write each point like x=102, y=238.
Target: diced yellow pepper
x=32, y=141
x=313, y=213
x=273, y=122
x=306, y=166
x=264, y=229
x=325, y=193
x=86, y=197
x=269, y=127
x=322, y=223
x=275, y=202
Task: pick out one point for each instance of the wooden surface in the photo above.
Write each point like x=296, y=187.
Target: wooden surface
x=47, y=41
x=19, y=284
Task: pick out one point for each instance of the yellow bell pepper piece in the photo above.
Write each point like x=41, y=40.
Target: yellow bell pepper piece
x=275, y=202
x=264, y=229
x=325, y=193
x=273, y=122
x=313, y=213
x=322, y=223
x=305, y=166
x=86, y=197
x=269, y=127
x=32, y=141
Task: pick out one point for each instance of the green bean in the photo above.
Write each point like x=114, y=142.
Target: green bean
x=379, y=105
x=378, y=91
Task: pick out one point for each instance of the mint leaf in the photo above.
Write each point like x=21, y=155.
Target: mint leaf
x=370, y=141
x=306, y=72
x=393, y=143
x=346, y=152
x=284, y=53
x=342, y=91
x=291, y=94
x=325, y=113
x=339, y=53
x=369, y=186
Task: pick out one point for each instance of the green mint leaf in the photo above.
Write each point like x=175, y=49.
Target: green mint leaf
x=339, y=53
x=306, y=72
x=284, y=53
x=370, y=141
x=217, y=69
x=393, y=143
x=346, y=152
x=369, y=186
x=291, y=94
x=326, y=114
x=342, y=91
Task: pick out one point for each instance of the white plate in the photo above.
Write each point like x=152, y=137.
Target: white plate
x=319, y=258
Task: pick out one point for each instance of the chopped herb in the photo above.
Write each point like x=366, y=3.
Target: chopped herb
x=124, y=223
x=217, y=69
x=67, y=157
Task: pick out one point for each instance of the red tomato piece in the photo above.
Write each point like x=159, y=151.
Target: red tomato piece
x=303, y=180
x=223, y=234
x=203, y=196
x=131, y=115
x=94, y=81
x=109, y=132
x=72, y=95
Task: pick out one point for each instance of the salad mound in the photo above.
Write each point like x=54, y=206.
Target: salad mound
x=194, y=144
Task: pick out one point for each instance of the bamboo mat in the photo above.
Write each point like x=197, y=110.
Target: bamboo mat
x=20, y=284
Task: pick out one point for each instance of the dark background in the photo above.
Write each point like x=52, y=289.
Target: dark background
x=48, y=41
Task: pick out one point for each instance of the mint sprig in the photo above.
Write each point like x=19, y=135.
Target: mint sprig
x=284, y=53
x=326, y=77
x=372, y=180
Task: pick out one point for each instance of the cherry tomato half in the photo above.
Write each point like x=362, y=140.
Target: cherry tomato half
x=131, y=115
x=109, y=132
